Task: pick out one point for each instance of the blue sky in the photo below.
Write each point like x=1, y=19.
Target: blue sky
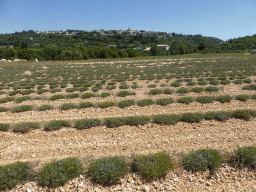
x=224, y=19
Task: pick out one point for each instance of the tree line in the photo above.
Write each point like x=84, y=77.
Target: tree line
x=90, y=45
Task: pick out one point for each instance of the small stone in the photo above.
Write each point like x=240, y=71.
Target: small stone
x=130, y=180
x=29, y=190
x=190, y=178
x=146, y=188
x=139, y=182
x=33, y=156
x=148, y=146
x=80, y=185
x=81, y=176
x=156, y=185
x=175, y=179
x=121, y=188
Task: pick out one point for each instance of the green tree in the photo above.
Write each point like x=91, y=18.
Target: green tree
x=174, y=48
x=50, y=52
x=201, y=46
x=154, y=50
x=10, y=54
x=1, y=53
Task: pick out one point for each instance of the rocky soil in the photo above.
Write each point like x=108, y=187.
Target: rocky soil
x=44, y=146
x=41, y=147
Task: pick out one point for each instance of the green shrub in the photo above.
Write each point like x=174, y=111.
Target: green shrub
x=186, y=100
x=41, y=91
x=192, y=117
x=27, y=92
x=136, y=120
x=152, y=85
x=225, y=82
x=52, y=86
x=124, y=93
x=212, y=89
x=153, y=165
x=175, y=84
x=72, y=96
x=247, y=81
x=3, y=109
x=14, y=174
x=123, y=86
x=253, y=96
x=44, y=107
x=155, y=92
x=87, y=95
x=38, y=98
x=4, y=127
x=166, y=119
x=54, y=125
x=242, y=97
x=21, y=99
x=205, y=99
x=21, y=108
x=106, y=104
x=55, y=90
x=209, y=116
x=163, y=85
x=191, y=83
x=111, y=87
x=96, y=88
x=85, y=105
x=214, y=82
x=203, y=159
x=242, y=114
x=164, y=101
x=111, y=83
x=25, y=127
x=238, y=81
x=7, y=99
x=197, y=89
x=125, y=103
x=222, y=115
x=224, y=98
x=244, y=156
x=249, y=87
x=71, y=90
x=67, y=106
x=114, y=122
x=107, y=170
x=232, y=77
x=62, y=85
x=87, y=123
x=57, y=173
x=222, y=77
x=15, y=92
x=202, y=82
x=183, y=90
x=168, y=91
x=83, y=89
x=104, y=94
x=55, y=97
x=134, y=86
x=145, y=102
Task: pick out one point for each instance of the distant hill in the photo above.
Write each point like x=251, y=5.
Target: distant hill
x=77, y=44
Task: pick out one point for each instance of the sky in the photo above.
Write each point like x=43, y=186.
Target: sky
x=224, y=19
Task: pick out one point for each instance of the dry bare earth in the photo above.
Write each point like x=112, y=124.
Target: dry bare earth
x=127, y=140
